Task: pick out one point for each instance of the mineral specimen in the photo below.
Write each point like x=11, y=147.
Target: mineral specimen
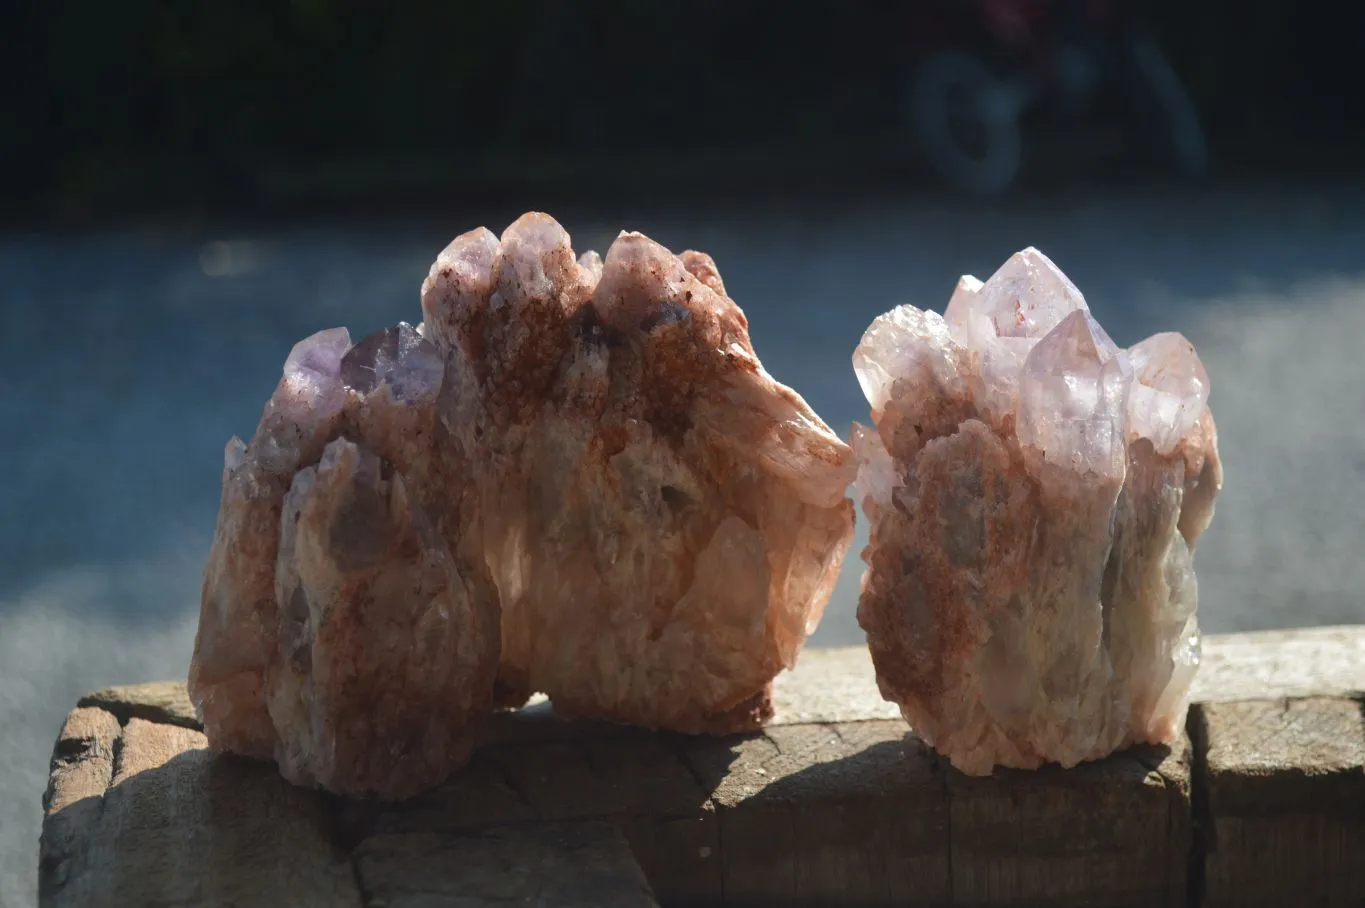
x=349, y=628
x=1035, y=494
x=664, y=520
x=573, y=477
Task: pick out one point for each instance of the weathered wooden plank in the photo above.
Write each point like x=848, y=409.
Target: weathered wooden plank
x=82, y=768
x=83, y=759
x=635, y=779
x=835, y=803
x=830, y=685
x=1285, y=802
x=1177, y=769
x=478, y=796
x=1111, y=833
x=851, y=813
x=156, y=701
x=181, y=825
x=550, y=865
x=638, y=781
x=1264, y=665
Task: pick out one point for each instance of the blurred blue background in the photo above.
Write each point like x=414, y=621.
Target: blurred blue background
x=194, y=187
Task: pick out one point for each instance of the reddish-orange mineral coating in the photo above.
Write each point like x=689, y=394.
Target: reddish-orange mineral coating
x=664, y=520
x=349, y=628
x=591, y=444
x=387, y=649
x=1035, y=495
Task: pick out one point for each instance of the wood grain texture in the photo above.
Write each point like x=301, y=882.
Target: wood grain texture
x=82, y=768
x=1114, y=832
x=549, y=865
x=833, y=804
x=1285, y=782
x=634, y=779
x=830, y=685
x=181, y=825
x=166, y=702
x=844, y=813
x=1303, y=662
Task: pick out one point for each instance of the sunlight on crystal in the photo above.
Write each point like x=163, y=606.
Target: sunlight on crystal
x=1030, y=593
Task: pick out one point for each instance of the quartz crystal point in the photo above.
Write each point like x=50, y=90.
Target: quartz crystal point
x=664, y=521
x=1035, y=495
x=574, y=476
x=349, y=627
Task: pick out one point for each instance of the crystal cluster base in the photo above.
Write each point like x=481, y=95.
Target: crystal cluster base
x=664, y=520
x=1035, y=494
x=575, y=477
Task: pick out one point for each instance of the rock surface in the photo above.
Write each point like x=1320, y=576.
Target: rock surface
x=665, y=521
x=574, y=477
x=349, y=629
x=1035, y=496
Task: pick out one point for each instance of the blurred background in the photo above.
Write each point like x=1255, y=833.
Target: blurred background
x=190, y=188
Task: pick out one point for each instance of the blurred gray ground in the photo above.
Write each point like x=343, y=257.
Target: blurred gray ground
x=130, y=357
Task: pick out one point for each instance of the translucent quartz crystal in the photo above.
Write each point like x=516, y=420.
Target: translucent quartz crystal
x=574, y=476
x=1035, y=495
x=388, y=645
x=239, y=618
x=664, y=521
x=349, y=628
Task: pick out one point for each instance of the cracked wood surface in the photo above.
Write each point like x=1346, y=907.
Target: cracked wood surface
x=1285, y=801
x=837, y=802
x=180, y=825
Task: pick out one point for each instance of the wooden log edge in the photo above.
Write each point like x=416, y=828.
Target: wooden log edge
x=836, y=802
